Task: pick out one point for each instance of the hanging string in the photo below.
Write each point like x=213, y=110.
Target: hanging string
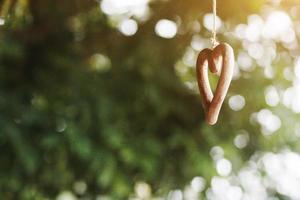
x=214, y=30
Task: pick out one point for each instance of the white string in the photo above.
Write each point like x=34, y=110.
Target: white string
x=214, y=30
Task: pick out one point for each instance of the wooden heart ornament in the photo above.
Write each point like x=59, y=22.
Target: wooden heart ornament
x=220, y=61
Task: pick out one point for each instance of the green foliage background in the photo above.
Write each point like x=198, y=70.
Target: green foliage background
x=63, y=121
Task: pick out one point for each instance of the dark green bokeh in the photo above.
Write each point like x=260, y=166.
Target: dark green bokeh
x=62, y=121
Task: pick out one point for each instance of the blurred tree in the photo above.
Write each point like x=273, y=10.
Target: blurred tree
x=81, y=102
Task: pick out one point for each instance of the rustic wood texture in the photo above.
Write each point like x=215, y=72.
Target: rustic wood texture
x=220, y=61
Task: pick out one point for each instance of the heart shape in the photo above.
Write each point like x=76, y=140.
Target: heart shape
x=220, y=61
